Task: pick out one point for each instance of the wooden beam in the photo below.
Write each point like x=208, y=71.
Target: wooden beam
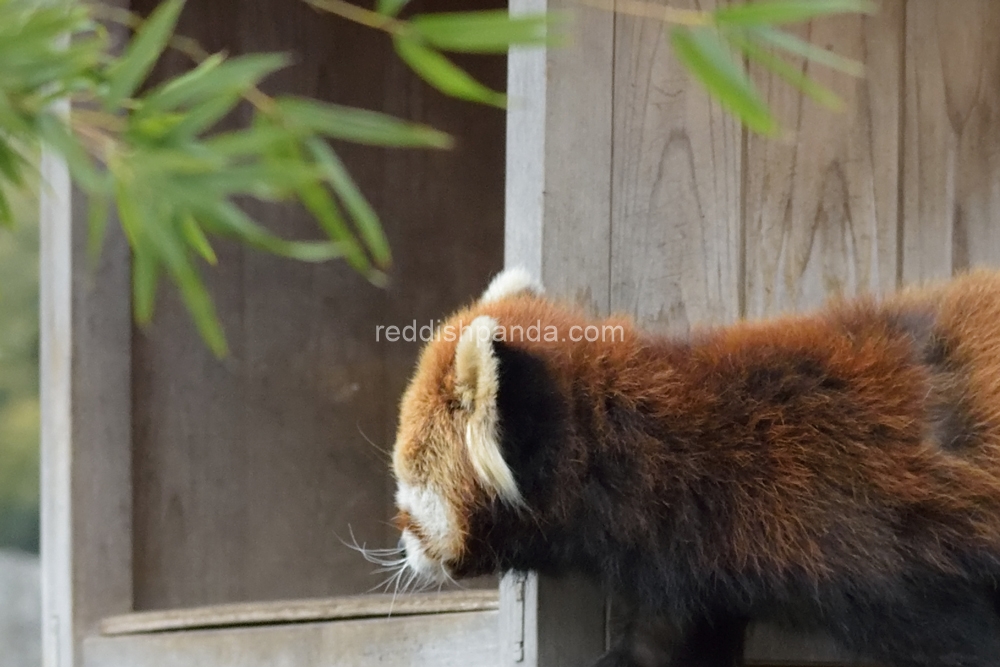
x=86, y=475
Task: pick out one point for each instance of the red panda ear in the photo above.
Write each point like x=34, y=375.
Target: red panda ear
x=514, y=280
x=477, y=384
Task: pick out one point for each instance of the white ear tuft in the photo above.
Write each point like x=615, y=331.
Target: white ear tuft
x=477, y=383
x=510, y=282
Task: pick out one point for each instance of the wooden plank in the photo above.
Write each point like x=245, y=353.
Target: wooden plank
x=550, y=622
x=445, y=640
x=676, y=220
x=251, y=471
x=300, y=611
x=557, y=225
x=951, y=187
x=559, y=146
x=822, y=205
x=86, y=489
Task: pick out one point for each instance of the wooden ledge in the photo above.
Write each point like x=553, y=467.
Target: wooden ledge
x=299, y=611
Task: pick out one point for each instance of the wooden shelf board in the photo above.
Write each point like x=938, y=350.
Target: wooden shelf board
x=300, y=611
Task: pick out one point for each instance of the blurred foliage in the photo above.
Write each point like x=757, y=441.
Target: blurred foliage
x=19, y=410
x=153, y=155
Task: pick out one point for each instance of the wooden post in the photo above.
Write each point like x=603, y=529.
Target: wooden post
x=558, y=226
x=86, y=425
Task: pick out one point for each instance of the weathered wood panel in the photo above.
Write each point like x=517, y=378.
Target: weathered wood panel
x=951, y=139
x=86, y=492
x=249, y=471
x=676, y=256
x=558, y=192
x=444, y=640
x=822, y=205
x=300, y=611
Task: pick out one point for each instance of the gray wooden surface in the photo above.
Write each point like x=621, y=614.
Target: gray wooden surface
x=85, y=425
x=250, y=471
x=462, y=639
x=20, y=609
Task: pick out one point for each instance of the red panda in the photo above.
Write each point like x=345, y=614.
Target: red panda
x=837, y=471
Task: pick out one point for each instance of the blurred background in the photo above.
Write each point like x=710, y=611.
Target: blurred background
x=20, y=638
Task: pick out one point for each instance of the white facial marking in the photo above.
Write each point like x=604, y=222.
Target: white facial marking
x=478, y=385
x=509, y=282
x=435, y=518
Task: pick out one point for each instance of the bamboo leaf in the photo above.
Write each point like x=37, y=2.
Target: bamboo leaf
x=444, y=75
x=792, y=44
x=708, y=59
x=357, y=205
x=196, y=239
x=789, y=73
x=390, y=7
x=776, y=12
x=6, y=215
x=129, y=71
x=359, y=125
x=145, y=276
x=211, y=78
x=491, y=31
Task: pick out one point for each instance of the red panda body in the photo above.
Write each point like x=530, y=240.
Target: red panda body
x=838, y=470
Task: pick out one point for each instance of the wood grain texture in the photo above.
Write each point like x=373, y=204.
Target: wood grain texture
x=675, y=255
x=822, y=204
x=300, y=611
x=951, y=140
x=250, y=471
x=444, y=640
x=550, y=622
x=559, y=157
x=86, y=492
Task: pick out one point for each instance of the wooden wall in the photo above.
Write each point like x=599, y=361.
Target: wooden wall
x=681, y=217
x=248, y=472
x=710, y=222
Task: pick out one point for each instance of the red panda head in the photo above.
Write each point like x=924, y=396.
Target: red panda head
x=452, y=476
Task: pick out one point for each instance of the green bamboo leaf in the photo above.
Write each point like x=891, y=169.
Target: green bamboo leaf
x=129, y=71
x=6, y=215
x=145, y=276
x=196, y=239
x=789, y=73
x=323, y=207
x=52, y=130
x=359, y=125
x=258, y=139
x=490, y=31
x=390, y=7
x=444, y=75
x=265, y=181
x=202, y=116
x=12, y=164
x=170, y=250
x=708, y=59
x=223, y=217
x=357, y=205
x=775, y=12
x=792, y=44
x=212, y=77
